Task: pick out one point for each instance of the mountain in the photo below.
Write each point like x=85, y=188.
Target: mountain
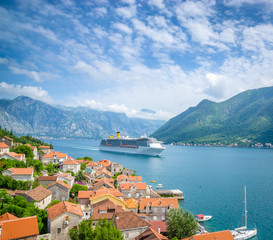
x=245, y=117
x=24, y=115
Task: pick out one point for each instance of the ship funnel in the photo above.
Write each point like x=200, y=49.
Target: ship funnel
x=118, y=134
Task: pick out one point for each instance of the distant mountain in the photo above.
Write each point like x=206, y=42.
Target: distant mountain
x=245, y=117
x=24, y=115
x=147, y=110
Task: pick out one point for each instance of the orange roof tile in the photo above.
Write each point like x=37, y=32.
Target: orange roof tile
x=19, y=228
x=44, y=147
x=16, y=156
x=21, y=171
x=70, y=162
x=103, y=182
x=60, y=182
x=104, y=191
x=62, y=207
x=58, y=155
x=131, y=203
x=84, y=194
x=223, y=235
x=150, y=234
x=105, y=162
x=92, y=164
x=110, y=180
x=3, y=145
x=39, y=193
x=127, y=186
x=158, y=202
x=104, y=209
x=7, y=216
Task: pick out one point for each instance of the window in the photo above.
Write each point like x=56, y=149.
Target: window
x=59, y=230
x=67, y=218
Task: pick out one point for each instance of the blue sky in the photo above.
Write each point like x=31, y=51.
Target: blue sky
x=127, y=55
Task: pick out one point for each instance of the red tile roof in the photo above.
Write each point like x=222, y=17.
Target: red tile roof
x=158, y=202
x=223, y=235
x=102, y=182
x=110, y=180
x=19, y=228
x=39, y=193
x=150, y=234
x=101, y=192
x=21, y=171
x=59, y=182
x=3, y=145
x=47, y=178
x=92, y=164
x=126, y=220
x=8, y=138
x=14, y=155
x=129, y=178
x=62, y=207
x=127, y=186
x=105, y=162
x=104, y=209
x=161, y=224
x=7, y=216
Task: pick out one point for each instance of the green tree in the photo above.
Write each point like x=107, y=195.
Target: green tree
x=24, y=149
x=180, y=224
x=104, y=230
x=80, y=176
x=52, y=168
x=38, y=166
x=76, y=188
x=85, y=158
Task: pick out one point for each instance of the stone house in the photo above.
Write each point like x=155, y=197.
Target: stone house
x=133, y=190
x=40, y=195
x=102, y=183
x=14, y=156
x=105, y=163
x=116, y=168
x=92, y=167
x=22, y=174
x=47, y=180
x=4, y=148
x=70, y=165
x=12, y=227
x=54, y=157
x=7, y=140
x=130, y=224
x=62, y=217
x=128, y=179
x=60, y=190
x=103, y=173
x=66, y=177
x=157, y=208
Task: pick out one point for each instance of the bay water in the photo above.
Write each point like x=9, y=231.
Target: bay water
x=212, y=179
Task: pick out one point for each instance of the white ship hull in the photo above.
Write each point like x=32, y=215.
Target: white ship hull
x=140, y=150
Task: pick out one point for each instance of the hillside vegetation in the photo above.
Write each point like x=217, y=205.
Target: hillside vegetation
x=243, y=119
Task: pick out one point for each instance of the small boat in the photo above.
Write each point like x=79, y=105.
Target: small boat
x=152, y=181
x=242, y=233
x=159, y=185
x=202, y=218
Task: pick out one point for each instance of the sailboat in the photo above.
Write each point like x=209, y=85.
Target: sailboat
x=242, y=233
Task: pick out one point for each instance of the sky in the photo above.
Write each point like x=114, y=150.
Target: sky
x=129, y=55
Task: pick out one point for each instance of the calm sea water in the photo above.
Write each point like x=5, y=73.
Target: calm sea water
x=212, y=180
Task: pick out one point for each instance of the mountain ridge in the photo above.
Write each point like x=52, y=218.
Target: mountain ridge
x=247, y=115
x=24, y=115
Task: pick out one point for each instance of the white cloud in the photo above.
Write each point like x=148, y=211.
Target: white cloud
x=126, y=12
x=100, y=11
x=30, y=91
x=157, y=3
x=123, y=27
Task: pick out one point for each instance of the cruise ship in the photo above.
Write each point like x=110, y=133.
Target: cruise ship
x=143, y=145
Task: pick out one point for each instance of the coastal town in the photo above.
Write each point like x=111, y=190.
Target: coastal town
x=71, y=191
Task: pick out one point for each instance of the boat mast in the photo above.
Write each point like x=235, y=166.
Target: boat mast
x=245, y=210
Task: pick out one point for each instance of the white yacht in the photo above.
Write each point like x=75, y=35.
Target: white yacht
x=242, y=233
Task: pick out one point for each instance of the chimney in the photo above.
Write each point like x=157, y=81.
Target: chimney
x=158, y=229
